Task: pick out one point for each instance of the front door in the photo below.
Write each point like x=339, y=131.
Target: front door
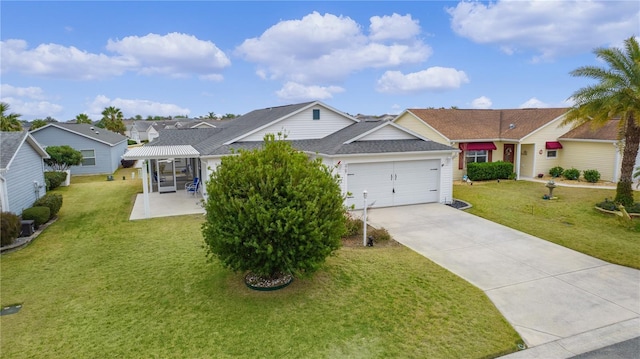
x=508, y=152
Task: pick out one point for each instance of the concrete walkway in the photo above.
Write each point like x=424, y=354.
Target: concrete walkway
x=561, y=302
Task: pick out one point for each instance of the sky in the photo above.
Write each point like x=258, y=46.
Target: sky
x=191, y=58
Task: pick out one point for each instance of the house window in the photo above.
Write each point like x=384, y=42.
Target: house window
x=88, y=157
x=316, y=114
x=477, y=156
x=552, y=153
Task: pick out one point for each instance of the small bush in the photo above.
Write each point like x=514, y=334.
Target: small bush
x=40, y=215
x=54, y=179
x=10, y=228
x=51, y=200
x=353, y=226
x=483, y=171
x=379, y=234
x=131, y=142
x=608, y=205
x=592, y=176
x=571, y=174
x=556, y=171
x=127, y=163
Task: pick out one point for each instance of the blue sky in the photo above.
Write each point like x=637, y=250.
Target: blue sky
x=164, y=58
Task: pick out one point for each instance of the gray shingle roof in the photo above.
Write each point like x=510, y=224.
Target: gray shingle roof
x=89, y=131
x=10, y=143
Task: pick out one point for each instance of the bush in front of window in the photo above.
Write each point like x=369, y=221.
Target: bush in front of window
x=54, y=179
x=571, y=174
x=39, y=215
x=592, y=176
x=556, y=171
x=484, y=171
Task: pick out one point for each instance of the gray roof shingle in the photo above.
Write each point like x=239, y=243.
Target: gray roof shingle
x=89, y=131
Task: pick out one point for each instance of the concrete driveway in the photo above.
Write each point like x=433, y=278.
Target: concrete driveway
x=560, y=301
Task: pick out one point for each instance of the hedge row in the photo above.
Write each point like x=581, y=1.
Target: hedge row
x=42, y=211
x=483, y=171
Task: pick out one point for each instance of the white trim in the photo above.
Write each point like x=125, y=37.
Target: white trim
x=543, y=126
x=34, y=143
x=160, y=152
x=4, y=201
x=424, y=123
x=406, y=130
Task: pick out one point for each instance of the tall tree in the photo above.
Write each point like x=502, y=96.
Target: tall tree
x=83, y=118
x=112, y=120
x=615, y=95
x=9, y=122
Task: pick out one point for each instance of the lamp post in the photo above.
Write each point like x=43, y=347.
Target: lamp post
x=364, y=220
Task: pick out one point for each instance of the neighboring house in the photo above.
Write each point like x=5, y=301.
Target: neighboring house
x=140, y=130
x=528, y=138
x=395, y=165
x=101, y=149
x=21, y=171
x=586, y=148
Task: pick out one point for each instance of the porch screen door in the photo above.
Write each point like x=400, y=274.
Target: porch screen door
x=167, y=176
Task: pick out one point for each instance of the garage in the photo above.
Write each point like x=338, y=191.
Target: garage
x=393, y=183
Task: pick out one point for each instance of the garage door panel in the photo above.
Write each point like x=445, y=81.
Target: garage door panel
x=416, y=182
x=373, y=177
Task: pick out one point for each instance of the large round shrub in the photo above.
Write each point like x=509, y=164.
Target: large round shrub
x=51, y=200
x=273, y=211
x=10, y=228
x=39, y=215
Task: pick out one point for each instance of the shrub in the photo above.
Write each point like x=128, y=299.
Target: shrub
x=379, y=234
x=127, y=163
x=131, y=142
x=273, y=211
x=354, y=226
x=608, y=205
x=571, y=174
x=54, y=179
x=63, y=157
x=51, y=200
x=592, y=176
x=482, y=171
x=556, y=171
x=39, y=215
x=10, y=228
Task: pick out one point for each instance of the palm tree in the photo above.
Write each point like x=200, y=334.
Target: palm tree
x=83, y=118
x=37, y=123
x=112, y=119
x=616, y=94
x=9, y=122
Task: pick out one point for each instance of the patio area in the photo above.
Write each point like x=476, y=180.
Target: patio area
x=167, y=204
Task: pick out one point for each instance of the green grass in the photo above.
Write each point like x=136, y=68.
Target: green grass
x=570, y=220
x=96, y=285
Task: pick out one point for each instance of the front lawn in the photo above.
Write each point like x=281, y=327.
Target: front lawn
x=97, y=285
x=570, y=220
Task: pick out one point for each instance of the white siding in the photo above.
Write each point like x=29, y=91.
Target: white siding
x=302, y=125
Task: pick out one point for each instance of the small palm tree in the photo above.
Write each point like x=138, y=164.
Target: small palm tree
x=616, y=94
x=9, y=122
x=112, y=119
x=83, y=118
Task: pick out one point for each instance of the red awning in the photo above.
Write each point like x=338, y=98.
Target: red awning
x=478, y=146
x=553, y=145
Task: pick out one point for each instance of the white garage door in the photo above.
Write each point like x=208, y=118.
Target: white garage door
x=393, y=183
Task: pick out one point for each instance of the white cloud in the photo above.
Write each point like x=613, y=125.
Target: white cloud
x=32, y=109
x=534, y=103
x=481, y=102
x=298, y=92
x=431, y=79
x=394, y=27
x=132, y=107
x=550, y=28
x=327, y=48
x=171, y=54
x=31, y=92
x=174, y=54
x=52, y=60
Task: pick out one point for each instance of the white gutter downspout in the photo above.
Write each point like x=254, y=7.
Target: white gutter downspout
x=518, y=158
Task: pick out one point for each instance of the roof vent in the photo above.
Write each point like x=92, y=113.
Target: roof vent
x=91, y=128
x=97, y=133
x=512, y=126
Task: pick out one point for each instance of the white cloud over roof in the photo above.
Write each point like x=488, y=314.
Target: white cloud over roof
x=295, y=91
x=550, y=28
x=327, y=48
x=132, y=107
x=432, y=79
x=482, y=102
